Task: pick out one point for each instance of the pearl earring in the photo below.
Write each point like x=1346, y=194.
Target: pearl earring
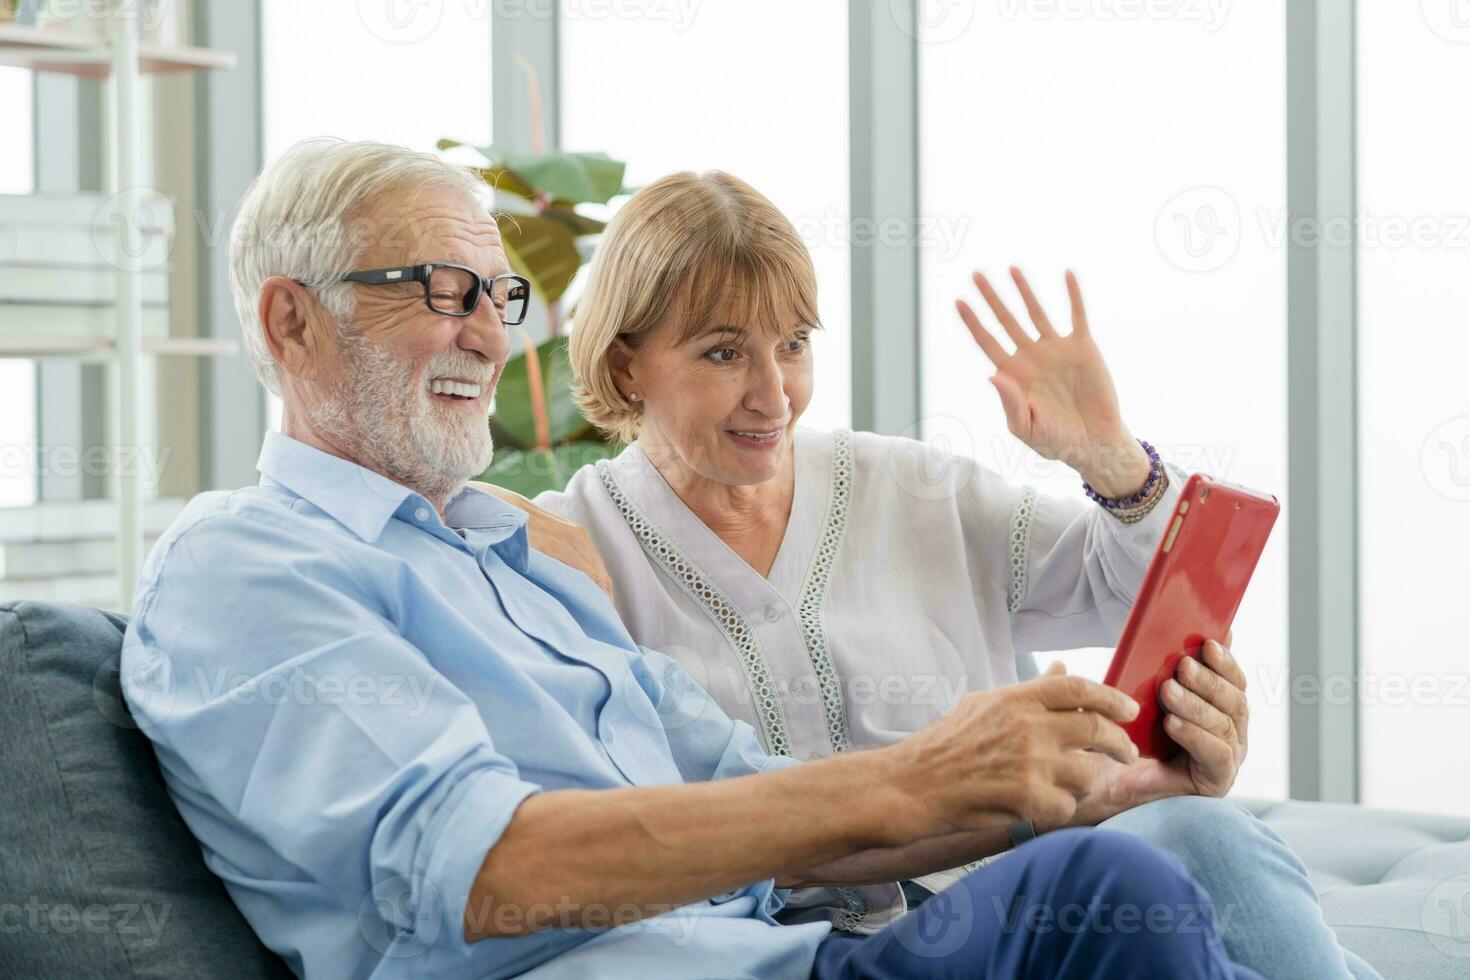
x=632, y=396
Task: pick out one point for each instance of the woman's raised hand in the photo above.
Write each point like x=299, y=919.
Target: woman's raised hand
x=1056, y=391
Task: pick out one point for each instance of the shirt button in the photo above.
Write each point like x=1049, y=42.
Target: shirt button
x=772, y=614
x=422, y=514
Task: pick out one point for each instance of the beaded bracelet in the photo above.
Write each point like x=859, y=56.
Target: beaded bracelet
x=1136, y=507
x=1155, y=470
x=1138, y=513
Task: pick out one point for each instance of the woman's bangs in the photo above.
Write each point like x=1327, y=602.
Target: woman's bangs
x=750, y=292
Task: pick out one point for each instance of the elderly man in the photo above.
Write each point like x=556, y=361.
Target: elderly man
x=412, y=745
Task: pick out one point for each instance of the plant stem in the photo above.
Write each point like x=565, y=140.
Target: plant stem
x=539, y=414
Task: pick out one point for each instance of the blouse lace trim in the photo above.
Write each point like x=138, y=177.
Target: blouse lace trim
x=730, y=620
x=1020, y=542
x=855, y=908
x=814, y=592
x=854, y=911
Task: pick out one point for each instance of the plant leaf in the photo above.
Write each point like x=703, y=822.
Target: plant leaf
x=578, y=224
x=508, y=181
x=514, y=423
x=570, y=178
x=541, y=249
x=577, y=178
x=528, y=472
x=499, y=178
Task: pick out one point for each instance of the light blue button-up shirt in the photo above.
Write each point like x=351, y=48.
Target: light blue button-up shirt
x=349, y=699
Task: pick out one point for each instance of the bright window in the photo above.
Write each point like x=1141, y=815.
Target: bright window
x=17, y=377
x=756, y=88
x=406, y=73
x=1146, y=153
x=1414, y=412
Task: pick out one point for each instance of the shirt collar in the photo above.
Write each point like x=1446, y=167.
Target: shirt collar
x=364, y=501
x=474, y=509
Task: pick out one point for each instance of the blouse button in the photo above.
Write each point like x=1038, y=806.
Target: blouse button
x=422, y=514
x=772, y=614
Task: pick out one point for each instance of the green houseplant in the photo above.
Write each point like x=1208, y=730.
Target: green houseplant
x=540, y=435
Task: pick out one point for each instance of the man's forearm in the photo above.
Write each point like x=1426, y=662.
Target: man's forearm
x=937, y=853
x=881, y=864
x=599, y=858
x=574, y=858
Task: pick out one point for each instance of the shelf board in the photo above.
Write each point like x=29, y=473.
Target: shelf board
x=158, y=58
x=53, y=347
x=191, y=346
x=88, y=56
x=89, y=348
x=24, y=36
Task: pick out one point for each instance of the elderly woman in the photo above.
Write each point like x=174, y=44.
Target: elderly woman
x=840, y=590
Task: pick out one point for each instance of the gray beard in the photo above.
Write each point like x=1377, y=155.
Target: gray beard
x=387, y=423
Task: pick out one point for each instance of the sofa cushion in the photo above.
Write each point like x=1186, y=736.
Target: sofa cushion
x=1395, y=886
x=99, y=876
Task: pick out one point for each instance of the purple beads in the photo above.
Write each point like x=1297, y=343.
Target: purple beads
x=1155, y=469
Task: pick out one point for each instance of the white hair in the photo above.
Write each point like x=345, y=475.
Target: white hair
x=311, y=214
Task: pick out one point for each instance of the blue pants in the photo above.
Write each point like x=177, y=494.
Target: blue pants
x=1071, y=905
x=1267, y=911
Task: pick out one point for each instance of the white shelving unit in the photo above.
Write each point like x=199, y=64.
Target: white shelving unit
x=123, y=58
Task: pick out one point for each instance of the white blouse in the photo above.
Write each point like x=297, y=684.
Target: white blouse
x=905, y=579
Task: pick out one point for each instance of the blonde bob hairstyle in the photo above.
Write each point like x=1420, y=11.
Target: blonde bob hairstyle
x=683, y=250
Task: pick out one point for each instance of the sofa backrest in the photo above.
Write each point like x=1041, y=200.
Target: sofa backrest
x=99, y=876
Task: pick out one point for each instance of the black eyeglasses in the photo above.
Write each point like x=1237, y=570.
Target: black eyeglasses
x=454, y=290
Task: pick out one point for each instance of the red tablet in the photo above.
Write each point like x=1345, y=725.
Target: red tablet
x=1189, y=594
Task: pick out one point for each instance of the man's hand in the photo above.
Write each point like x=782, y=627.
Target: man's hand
x=1012, y=753
x=1206, y=713
x=556, y=537
x=939, y=798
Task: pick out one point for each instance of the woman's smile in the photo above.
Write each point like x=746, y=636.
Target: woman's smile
x=760, y=440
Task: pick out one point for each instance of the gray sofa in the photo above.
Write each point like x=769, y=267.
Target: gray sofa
x=99, y=877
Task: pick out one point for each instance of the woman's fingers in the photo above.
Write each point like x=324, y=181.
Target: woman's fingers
x=1038, y=315
x=1079, y=312
x=1219, y=659
x=1190, y=706
x=988, y=344
x=1213, y=688
x=1013, y=328
x=1223, y=663
x=1018, y=334
x=1213, y=753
